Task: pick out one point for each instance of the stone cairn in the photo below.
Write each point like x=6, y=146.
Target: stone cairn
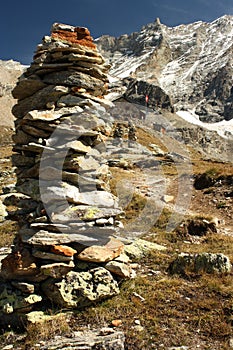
x=66, y=249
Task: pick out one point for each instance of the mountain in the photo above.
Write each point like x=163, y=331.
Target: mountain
x=191, y=63
x=9, y=74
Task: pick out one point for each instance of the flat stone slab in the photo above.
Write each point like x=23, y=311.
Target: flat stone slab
x=106, y=339
x=87, y=236
x=86, y=213
x=101, y=254
x=140, y=248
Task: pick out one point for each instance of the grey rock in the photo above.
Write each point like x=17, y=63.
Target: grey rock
x=38, y=100
x=48, y=116
x=85, y=213
x=120, y=269
x=158, y=97
x=77, y=57
x=36, y=317
x=80, y=289
x=35, y=131
x=22, y=161
x=73, y=234
x=30, y=188
x=87, y=119
x=27, y=87
x=50, y=256
x=12, y=300
x=43, y=224
x=22, y=138
x=78, y=146
x=92, y=70
x=10, y=71
x=71, y=78
x=70, y=100
x=33, y=147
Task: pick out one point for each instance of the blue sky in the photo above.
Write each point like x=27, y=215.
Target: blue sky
x=23, y=23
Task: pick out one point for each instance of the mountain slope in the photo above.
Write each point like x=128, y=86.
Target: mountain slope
x=191, y=63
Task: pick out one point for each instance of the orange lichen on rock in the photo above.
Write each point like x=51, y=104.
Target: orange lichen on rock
x=80, y=36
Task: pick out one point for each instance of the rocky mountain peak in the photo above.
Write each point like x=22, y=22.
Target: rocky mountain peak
x=192, y=63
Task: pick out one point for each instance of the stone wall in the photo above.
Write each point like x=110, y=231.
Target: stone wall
x=67, y=215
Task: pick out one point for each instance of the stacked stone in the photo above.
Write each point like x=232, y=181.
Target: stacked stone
x=66, y=212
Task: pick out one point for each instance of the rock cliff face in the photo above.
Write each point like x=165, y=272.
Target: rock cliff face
x=191, y=63
x=9, y=73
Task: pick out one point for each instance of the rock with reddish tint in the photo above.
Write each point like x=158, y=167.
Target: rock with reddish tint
x=96, y=254
x=19, y=264
x=116, y=323
x=100, y=254
x=72, y=35
x=116, y=246
x=63, y=250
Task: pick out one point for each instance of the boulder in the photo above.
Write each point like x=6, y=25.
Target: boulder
x=204, y=180
x=80, y=289
x=199, y=263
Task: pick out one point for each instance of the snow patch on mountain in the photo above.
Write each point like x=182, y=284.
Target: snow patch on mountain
x=121, y=70
x=223, y=128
